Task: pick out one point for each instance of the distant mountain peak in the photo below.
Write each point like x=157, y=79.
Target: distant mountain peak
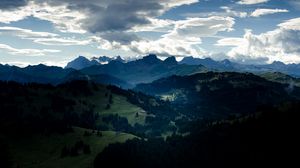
x=38, y=65
x=226, y=62
x=208, y=59
x=153, y=56
x=278, y=63
x=119, y=58
x=82, y=57
x=103, y=59
x=151, y=59
x=81, y=62
x=171, y=61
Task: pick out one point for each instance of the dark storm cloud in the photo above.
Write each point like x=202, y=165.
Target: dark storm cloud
x=117, y=15
x=111, y=19
x=123, y=16
x=11, y=4
x=120, y=37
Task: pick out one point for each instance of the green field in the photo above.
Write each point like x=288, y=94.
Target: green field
x=119, y=106
x=125, y=109
x=39, y=150
x=45, y=151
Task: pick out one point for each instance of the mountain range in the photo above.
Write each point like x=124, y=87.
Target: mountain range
x=213, y=65
x=226, y=65
x=83, y=62
x=127, y=74
x=144, y=70
x=116, y=71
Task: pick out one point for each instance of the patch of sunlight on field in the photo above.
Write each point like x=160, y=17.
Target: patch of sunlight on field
x=125, y=109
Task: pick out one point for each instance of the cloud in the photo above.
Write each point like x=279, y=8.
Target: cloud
x=261, y=12
x=63, y=18
x=166, y=47
x=120, y=37
x=120, y=16
x=228, y=11
x=185, y=37
x=251, y=2
x=24, y=64
x=25, y=33
x=26, y=52
x=61, y=41
x=182, y=39
x=155, y=25
x=281, y=44
x=292, y=24
x=230, y=42
x=111, y=20
x=44, y=38
x=14, y=14
x=21, y=64
x=8, y=4
x=108, y=16
x=201, y=27
x=295, y=4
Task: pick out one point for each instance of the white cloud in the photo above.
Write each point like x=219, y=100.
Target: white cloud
x=292, y=24
x=281, y=44
x=185, y=37
x=54, y=63
x=201, y=27
x=172, y=4
x=25, y=33
x=61, y=41
x=261, y=12
x=155, y=25
x=44, y=38
x=26, y=52
x=21, y=64
x=228, y=11
x=24, y=64
x=182, y=39
x=251, y=2
x=166, y=47
x=231, y=42
x=15, y=15
x=63, y=18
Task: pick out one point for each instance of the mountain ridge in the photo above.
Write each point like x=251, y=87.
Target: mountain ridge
x=147, y=69
x=211, y=64
x=219, y=93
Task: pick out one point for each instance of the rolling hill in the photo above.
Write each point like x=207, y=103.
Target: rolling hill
x=38, y=121
x=218, y=94
x=281, y=78
x=226, y=65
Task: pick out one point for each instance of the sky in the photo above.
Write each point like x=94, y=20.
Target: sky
x=53, y=32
